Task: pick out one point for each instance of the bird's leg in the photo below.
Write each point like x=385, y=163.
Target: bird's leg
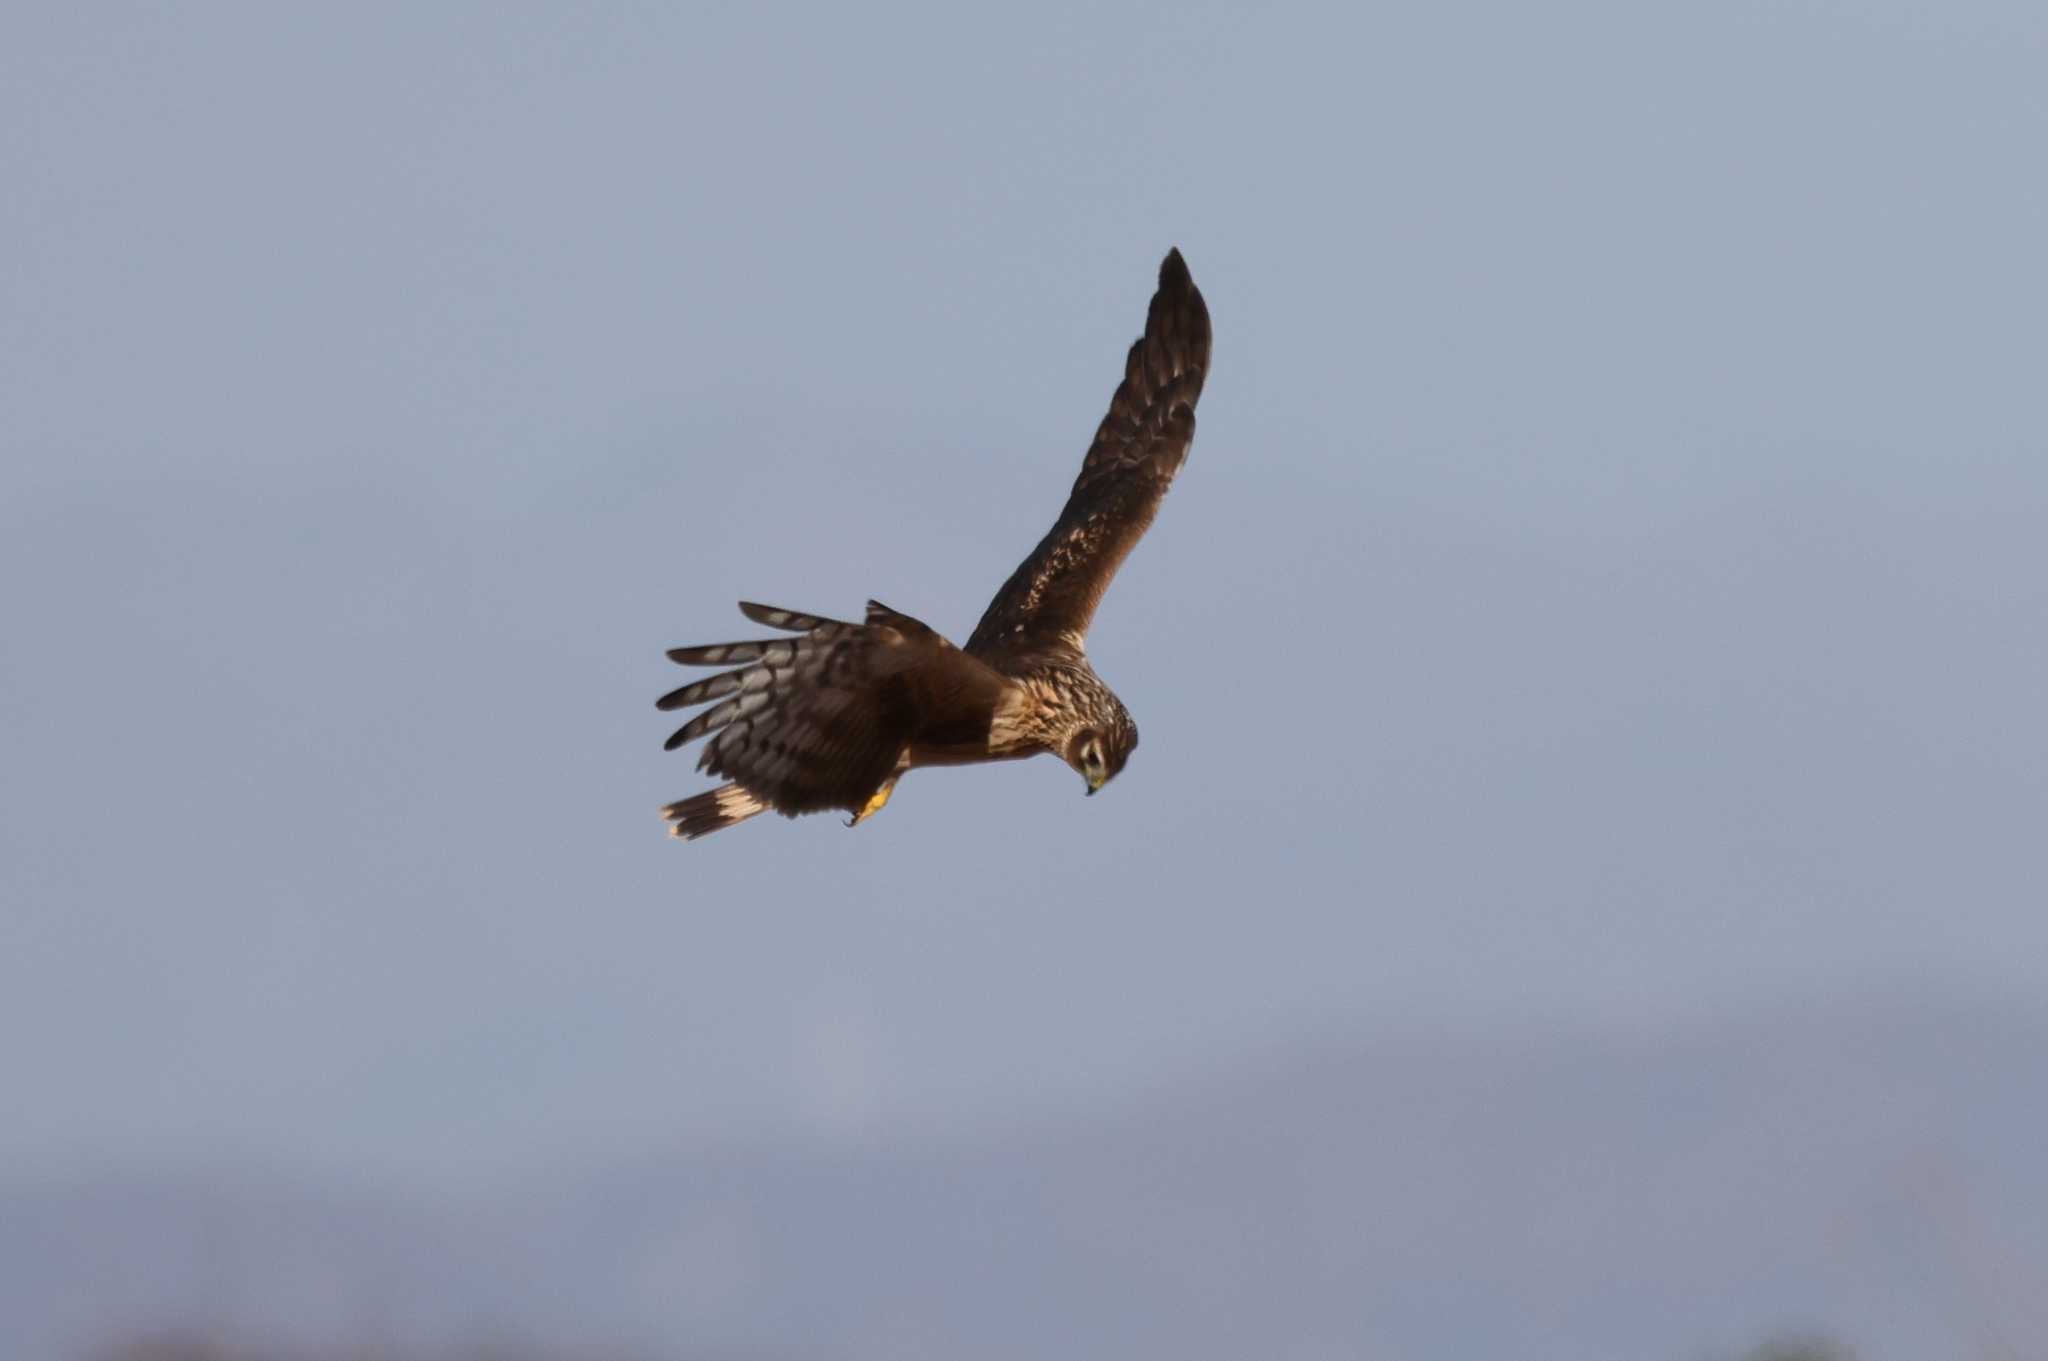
x=874, y=803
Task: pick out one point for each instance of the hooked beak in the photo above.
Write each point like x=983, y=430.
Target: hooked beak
x=1096, y=782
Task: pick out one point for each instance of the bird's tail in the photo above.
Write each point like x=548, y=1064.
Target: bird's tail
x=703, y=814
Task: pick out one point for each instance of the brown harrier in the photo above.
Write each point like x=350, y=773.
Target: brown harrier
x=832, y=717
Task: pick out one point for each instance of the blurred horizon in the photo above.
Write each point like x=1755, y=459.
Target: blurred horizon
x=1867, y=1173
x=1254, y=1054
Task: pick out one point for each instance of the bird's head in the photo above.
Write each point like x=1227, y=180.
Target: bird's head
x=1099, y=747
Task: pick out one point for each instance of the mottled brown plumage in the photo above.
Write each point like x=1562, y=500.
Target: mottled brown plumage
x=832, y=717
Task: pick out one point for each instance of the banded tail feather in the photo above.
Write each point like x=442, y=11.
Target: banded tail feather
x=712, y=811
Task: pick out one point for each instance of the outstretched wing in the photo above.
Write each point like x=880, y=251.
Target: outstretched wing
x=820, y=720
x=809, y=723
x=1140, y=445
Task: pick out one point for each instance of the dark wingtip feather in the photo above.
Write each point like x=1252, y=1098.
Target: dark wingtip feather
x=1178, y=318
x=676, y=699
x=715, y=654
x=711, y=688
x=1176, y=325
x=776, y=618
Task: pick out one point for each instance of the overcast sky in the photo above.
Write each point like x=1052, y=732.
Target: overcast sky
x=1609, y=581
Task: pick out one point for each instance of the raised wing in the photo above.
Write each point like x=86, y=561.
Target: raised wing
x=1140, y=445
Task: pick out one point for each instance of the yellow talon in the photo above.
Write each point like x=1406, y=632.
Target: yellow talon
x=874, y=804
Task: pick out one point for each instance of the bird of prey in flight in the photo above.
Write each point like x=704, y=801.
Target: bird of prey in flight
x=831, y=716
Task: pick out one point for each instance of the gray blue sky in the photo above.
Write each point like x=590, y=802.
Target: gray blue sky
x=1609, y=579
